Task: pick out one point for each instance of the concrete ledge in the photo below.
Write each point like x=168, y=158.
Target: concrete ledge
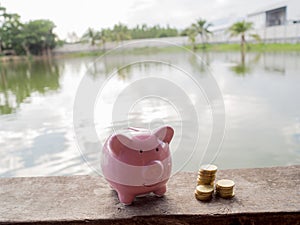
x=263, y=196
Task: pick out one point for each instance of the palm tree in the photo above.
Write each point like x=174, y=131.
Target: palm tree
x=91, y=35
x=192, y=33
x=105, y=35
x=202, y=28
x=121, y=32
x=240, y=28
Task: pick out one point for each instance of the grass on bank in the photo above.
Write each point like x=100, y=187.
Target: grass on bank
x=259, y=47
x=274, y=47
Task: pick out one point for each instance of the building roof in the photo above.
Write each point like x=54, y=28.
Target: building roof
x=269, y=8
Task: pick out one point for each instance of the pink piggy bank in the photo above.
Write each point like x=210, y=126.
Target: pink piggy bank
x=137, y=162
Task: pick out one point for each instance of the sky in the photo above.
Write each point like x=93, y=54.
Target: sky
x=77, y=15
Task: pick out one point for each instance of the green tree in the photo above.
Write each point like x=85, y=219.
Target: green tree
x=202, y=28
x=91, y=35
x=9, y=30
x=34, y=37
x=240, y=28
x=121, y=32
x=192, y=34
x=105, y=36
x=156, y=31
x=37, y=37
x=2, y=18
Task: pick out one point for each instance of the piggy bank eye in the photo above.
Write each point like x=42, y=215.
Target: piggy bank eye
x=157, y=149
x=141, y=151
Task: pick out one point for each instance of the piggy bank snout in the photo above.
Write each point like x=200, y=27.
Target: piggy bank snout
x=153, y=172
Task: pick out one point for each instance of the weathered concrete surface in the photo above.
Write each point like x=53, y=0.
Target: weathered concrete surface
x=263, y=196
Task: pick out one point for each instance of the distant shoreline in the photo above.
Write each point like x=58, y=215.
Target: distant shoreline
x=98, y=50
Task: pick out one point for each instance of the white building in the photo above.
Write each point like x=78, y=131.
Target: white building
x=283, y=13
x=278, y=22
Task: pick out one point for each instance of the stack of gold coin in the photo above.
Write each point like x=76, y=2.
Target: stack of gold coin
x=224, y=188
x=204, y=192
x=207, y=175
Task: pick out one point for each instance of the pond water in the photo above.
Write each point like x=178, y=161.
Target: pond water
x=261, y=98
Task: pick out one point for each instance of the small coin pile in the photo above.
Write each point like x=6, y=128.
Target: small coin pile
x=205, y=184
x=207, y=175
x=224, y=188
x=204, y=192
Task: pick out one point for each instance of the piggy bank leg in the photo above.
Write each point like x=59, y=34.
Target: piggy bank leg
x=125, y=198
x=160, y=191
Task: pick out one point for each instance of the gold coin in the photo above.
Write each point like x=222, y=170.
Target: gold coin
x=226, y=196
x=225, y=183
x=201, y=194
x=209, y=168
x=202, y=197
x=224, y=190
x=205, y=183
x=206, y=175
x=207, y=171
x=204, y=189
x=205, y=179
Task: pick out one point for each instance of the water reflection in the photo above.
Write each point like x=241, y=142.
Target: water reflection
x=241, y=69
x=200, y=62
x=261, y=95
x=244, y=67
x=19, y=80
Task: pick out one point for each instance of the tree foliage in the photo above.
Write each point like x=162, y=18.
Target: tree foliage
x=202, y=27
x=91, y=36
x=121, y=32
x=9, y=30
x=34, y=37
x=143, y=31
x=38, y=36
x=240, y=28
x=192, y=34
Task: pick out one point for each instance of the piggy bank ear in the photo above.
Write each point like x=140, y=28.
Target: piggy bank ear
x=118, y=143
x=164, y=134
